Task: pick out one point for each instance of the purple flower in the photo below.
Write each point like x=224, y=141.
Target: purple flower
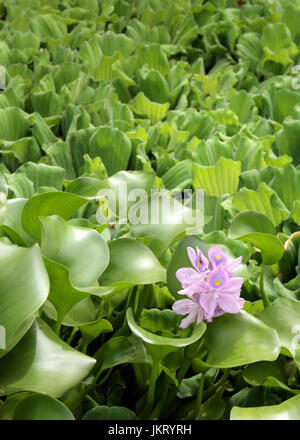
x=211, y=289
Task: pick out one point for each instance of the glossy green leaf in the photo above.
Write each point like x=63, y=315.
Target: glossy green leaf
x=24, y=287
x=152, y=338
x=39, y=362
x=50, y=203
x=255, y=228
x=238, y=339
x=163, y=218
x=82, y=250
x=268, y=374
x=283, y=316
x=131, y=262
x=93, y=330
x=41, y=407
x=287, y=410
x=7, y=409
x=120, y=350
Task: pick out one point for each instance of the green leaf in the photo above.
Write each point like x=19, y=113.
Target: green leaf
x=13, y=124
x=241, y=104
x=94, y=329
x=263, y=200
x=287, y=140
x=223, y=178
x=268, y=374
x=42, y=175
x=39, y=363
x=154, y=339
x=8, y=408
x=163, y=218
x=24, y=287
x=110, y=413
x=123, y=182
x=158, y=320
x=154, y=57
x=47, y=103
x=50, y=203
x=255, y=228
x=152, y=110
x=82, y=250
x=113, y=147
x=179, y=176
x=231, y=341
x=121, y=350
x=287, y=183
x=249, y=48
x=41, y=407
x=283, y=316
x=153, y=85
x=189, y=387
x=287, y=410
x=13, y=223
x=48, y=26
x=131, y=262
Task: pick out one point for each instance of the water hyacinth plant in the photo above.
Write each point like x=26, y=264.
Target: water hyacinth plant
x=113, y=304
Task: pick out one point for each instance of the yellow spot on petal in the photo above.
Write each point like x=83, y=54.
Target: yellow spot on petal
x=219, y=308
x=218, y=258
x=217, y=282
x=198, y=264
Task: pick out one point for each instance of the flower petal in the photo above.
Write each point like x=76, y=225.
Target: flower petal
x=192, y=255
x=200, y=315
x=230, y=303
x=235, y=263
x=184, y=306
x=187, y=276
x=188, y=320
x=217, y=256
x=233, y=286
x=208, y=302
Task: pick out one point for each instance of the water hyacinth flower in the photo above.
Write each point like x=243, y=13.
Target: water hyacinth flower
x=210, y=288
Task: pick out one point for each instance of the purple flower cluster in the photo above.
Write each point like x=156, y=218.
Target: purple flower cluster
x=210, y=287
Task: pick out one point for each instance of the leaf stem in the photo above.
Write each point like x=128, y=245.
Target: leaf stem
x=181, y=373
x=151, y=392
x=207, y=393
x=139, y=377
x=265, y=299
x=198, y=405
